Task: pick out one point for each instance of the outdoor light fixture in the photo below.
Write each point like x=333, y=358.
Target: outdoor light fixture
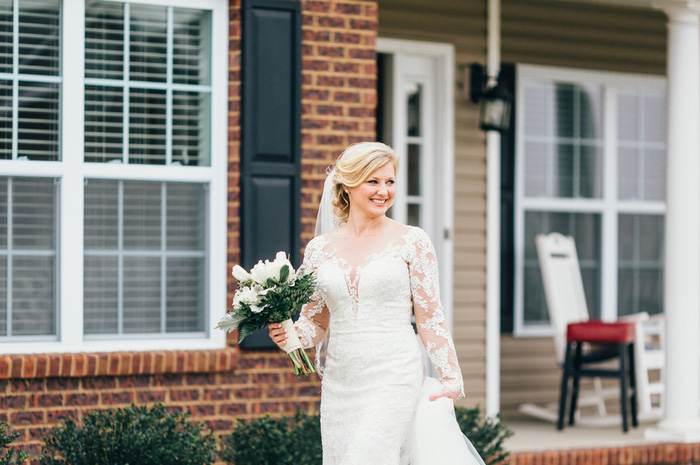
x=496, y=100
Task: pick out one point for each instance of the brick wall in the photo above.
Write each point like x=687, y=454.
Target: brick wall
x=642, y=454
x=217, y=387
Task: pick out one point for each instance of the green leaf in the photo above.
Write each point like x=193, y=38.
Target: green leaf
x=284, y=273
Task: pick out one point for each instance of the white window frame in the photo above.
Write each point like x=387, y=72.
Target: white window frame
x=72, y=173
x=437, y=158
x=608, y=206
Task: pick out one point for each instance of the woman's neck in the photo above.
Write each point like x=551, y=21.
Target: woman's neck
x=363, y=227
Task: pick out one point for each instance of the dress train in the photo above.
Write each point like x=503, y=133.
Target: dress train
x=434, y=436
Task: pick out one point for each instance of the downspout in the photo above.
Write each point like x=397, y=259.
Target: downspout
x=493, y=224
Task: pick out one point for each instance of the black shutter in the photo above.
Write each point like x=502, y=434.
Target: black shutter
x=270, y=136
x=507, y=77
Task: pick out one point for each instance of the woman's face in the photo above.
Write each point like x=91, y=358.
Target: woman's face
x=375, y=195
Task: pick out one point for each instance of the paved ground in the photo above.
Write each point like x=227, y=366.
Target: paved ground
x=539, y=435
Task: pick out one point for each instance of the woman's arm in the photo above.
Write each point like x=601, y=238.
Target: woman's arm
x=430, y=319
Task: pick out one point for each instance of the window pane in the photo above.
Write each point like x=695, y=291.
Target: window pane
x=191, y=128
x=6, y=33
x=148, y=43
x=142, y=294
x=33, y=214
x=585, y=229
x=563, y=140
x=28, y=256
x=147, y=126
x=38, y=120
x=414, y=187
x=640, y=264
x=101, y=214
x=33, y=304
x=5, y=120
x=413, y=214
x=186, y=215
x=191, y=45
x=185, y=294
x=104, y=40
x=641, y=146
x=104, y=123
x=139, y=278
x=39, y=37
x=142, y=215
x=3, y=295
x=414, y=109
x=101, y=295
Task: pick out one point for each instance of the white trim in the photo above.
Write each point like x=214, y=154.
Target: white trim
x=443, y=174
x=71, y=171
x=608, y=205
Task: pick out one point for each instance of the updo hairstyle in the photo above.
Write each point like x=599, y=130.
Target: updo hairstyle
x=353, y=167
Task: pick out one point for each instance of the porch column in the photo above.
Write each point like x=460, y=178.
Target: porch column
x=682, y=234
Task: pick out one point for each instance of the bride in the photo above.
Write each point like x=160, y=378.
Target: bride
x=373, y=273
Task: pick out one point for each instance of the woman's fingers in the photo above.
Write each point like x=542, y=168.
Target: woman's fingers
x=277, y=334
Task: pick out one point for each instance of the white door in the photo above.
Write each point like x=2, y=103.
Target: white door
x=417, y=120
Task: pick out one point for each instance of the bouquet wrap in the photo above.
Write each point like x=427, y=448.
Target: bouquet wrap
x=293, y=342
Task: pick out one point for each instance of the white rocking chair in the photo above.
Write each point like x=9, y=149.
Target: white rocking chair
x=566, y=303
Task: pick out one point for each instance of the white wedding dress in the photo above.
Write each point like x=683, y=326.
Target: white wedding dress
x=367, y=290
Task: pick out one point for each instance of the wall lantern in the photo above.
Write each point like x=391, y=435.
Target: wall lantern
x=496, y=100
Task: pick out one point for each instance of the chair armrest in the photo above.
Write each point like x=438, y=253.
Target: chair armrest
x=634, y=318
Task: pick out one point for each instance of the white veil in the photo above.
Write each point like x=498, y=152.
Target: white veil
x=326, y=222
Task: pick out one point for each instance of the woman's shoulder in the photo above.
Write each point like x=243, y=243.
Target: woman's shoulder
x=415, y=233
x=317, y=243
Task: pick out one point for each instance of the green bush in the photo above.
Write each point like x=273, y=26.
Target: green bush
x=275, y=441
x=129, y=436
x=486, y=434
x=9, y=456
x=297, y=440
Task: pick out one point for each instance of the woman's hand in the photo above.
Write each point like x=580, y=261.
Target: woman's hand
x=278, y=334
x=445, y=393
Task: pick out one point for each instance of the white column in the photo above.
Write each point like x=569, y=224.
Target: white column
x=682, y=234
x=493, y=227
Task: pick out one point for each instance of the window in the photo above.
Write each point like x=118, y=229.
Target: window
x=590, y=163
x=113, y=144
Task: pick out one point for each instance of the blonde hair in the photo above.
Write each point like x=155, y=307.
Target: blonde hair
x=353, y=167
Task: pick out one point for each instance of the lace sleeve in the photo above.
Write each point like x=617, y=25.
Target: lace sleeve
x=430, y=319
x=314, y=317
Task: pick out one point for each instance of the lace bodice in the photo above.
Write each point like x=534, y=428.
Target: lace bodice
x=368, y=288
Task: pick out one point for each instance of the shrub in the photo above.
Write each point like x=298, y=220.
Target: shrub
x=486, y=434
x=133, y=435
x=275, y=441
x=9, y=456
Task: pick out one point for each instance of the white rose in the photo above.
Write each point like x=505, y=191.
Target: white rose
x=259, y=273
x=240, y=274
x=256, y=309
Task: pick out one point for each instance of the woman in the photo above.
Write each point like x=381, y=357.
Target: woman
x=373, y=273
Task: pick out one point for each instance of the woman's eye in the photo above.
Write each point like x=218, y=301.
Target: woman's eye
x=372, y=181
x=390, y=181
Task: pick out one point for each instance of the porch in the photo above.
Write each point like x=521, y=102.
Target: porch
x=538, y=442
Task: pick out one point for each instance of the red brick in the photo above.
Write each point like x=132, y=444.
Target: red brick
x=233, y=409
x=329, y=110
x=363, y=24
x=217, y=394
x=315, y=94
x=27, y=417
x=134, y=381
x=348, y=9
x=5, y=367
x=27, y=385
x=16, y=370
x=331, y=21
x=345, y=67
x=46, y=400
x=15, y=402
x=112, y=398
x=81, y=399
x=150, y=396
x=200, y=379
x=62, y=384
x=99, y=383
x=316, y=6
x=202, y=410
x=315, y=36
x=179, y=395
x=248, y=393
x=54, y=416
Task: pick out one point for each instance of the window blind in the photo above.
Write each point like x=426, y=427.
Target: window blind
x=152, y=90
x=27, y=256
x=144, y=257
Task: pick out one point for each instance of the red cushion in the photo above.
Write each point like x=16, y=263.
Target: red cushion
x=599, y=331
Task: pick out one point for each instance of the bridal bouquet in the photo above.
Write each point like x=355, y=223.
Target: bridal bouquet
x=271, y=293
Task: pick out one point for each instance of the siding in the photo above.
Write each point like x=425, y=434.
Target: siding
x=569, y=35
x=463, y=24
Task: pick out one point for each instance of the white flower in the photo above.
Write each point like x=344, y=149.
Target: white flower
x=248, y=295
x=240, y=274
x=274, y=268
x=230, y=322
x=259, y=273
x=256, y=309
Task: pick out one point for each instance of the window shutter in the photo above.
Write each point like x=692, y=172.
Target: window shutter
x=271, y=137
